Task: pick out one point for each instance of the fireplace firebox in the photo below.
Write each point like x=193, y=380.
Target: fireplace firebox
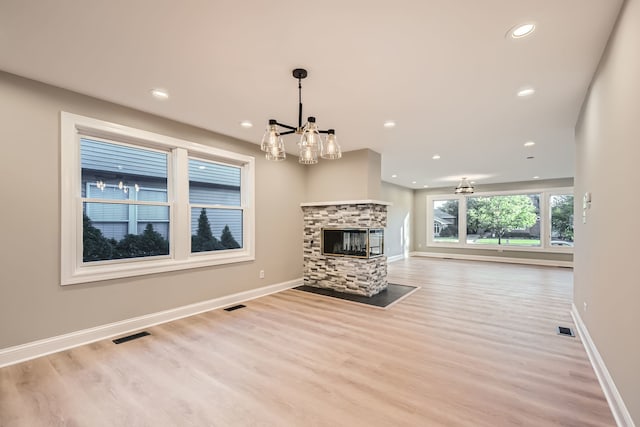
x=353, y=242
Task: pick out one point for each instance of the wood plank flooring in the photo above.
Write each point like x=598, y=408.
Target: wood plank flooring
x=475, y=346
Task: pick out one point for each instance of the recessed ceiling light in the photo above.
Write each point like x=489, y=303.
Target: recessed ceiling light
x=160, y=93
x=536, y=177
x=425, y=186
x=526, y=91
x=436, y=156
x=522, y=30
x=414, y=182
x=394, y=176
x=389, y=124
x=529, y=144
x=246, y=124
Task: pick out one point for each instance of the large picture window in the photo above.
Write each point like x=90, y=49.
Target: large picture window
x=538, y=220
x=135, y=202
x=509, y=220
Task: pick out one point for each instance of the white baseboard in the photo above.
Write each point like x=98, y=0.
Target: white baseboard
x=395, y=258
x=32, y=350
x=510, y=260
x=618, y=408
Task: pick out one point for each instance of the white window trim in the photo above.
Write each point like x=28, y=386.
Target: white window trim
x=545, y=221
x=74, y=270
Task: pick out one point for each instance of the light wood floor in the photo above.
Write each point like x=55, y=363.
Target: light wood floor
x=476, y=346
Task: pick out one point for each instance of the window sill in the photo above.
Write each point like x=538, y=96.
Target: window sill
x=97, y=273
x=496, y=248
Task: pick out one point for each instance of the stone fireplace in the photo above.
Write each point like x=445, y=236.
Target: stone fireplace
x=358, y=266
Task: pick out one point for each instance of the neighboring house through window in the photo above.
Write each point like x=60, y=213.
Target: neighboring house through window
x=445, y=220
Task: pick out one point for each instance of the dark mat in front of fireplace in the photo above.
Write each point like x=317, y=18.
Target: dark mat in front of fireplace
x=392, y=294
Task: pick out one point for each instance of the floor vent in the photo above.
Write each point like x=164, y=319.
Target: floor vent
x=565, y=331
x=235, y=307
x=131, y=337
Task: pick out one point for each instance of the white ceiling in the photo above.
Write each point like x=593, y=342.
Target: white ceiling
x=442, y=69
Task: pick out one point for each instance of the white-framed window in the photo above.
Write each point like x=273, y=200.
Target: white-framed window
x=445, y=219
x=134, y=202
x=533, y=220
x=216, y=206
x=560, y=219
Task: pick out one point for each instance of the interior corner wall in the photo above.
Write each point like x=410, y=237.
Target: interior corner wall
x=419, y=237
x=397, y=238
x=608, y=149
x=33, y=305
x=356, y=176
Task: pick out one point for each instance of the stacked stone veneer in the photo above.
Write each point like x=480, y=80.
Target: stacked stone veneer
x=341, y=273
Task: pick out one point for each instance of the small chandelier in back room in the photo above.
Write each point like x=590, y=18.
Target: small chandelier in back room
x=311, y=142
x=464, y=187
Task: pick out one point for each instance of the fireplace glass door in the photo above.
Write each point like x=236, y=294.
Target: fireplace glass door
x=353, y=242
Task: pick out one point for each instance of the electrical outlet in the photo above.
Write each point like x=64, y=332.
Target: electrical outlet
x=262, y=274
x=585, y=306
x=419, y=245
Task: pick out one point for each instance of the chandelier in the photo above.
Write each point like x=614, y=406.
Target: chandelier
x=310, y=143
x=464, y=187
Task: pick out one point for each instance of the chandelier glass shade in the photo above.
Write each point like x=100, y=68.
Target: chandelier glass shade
x=272, y=143
x=331, y=148
x=311, y=144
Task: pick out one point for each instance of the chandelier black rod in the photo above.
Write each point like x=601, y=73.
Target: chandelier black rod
x=300, y=102
x=299, y=74
x=293, y=128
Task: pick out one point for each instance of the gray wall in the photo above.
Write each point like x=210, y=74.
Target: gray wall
x=608, y=149
x=397, y=238
x=420, y=220
x=32, y=303
x=374, y=160
x=354, y=177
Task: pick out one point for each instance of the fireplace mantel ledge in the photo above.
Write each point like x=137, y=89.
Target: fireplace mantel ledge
x=347, y=202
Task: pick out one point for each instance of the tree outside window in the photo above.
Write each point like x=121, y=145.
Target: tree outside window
x=510, y=220
x=561, y=220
